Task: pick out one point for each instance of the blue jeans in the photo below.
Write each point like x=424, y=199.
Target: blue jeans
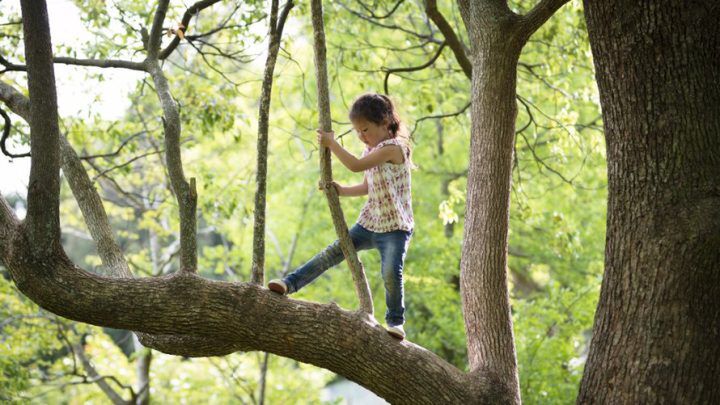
x=392, y=246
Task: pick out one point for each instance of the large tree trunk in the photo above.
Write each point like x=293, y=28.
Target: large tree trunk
x=657, y=326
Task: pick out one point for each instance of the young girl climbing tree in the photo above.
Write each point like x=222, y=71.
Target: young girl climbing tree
x=386, y=220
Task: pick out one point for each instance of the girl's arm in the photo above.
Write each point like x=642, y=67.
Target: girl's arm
x=354, y=164
x=355, y=191
x=351, y=191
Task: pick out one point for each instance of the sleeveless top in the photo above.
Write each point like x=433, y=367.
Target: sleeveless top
x=389, y=204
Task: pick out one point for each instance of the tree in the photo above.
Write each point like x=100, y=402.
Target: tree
x=657, y=324
x=187, y=314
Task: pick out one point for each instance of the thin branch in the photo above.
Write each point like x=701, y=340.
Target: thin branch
x=189, y=13
x=101, y=63
x=462, y=110
x=117, y=151
x=371, y=20
x=451, y=38
x=389, y=71
x=95, y=377
x=155, y=37
x=11, y=67
x=379, y=17
x=185, y=192
x=275, y=29
x=530, y=22
x=362, y=287
x=135, y=158
x=6, y=134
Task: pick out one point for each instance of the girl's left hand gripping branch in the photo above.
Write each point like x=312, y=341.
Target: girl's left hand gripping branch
x=325, y=138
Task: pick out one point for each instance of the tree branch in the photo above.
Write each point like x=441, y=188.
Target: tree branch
x=155, y=37
x=530, y=22
x=389, y=71
x=16, y=101
x=361, y=284
x=43, y=214
x=275, y=30
x=116, y=399
x=185, y=193
x=451, y=37
x=189, y=14
x=203, y=317
x=101, y=63
x=6, y=134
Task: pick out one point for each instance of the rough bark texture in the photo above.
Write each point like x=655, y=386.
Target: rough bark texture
x=657, y=326
x=43, y=220
x=497, y=36
x=358, y=273
x=225, y=317
x=276, y=29
x=483, y=275
x=185, y=192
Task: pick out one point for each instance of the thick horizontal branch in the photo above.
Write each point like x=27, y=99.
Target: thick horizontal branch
x=237, y=316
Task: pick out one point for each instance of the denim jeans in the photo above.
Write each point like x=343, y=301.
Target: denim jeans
x=392, y=246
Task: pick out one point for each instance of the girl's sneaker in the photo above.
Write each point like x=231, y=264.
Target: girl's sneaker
x=278, y=286
x=396, y=331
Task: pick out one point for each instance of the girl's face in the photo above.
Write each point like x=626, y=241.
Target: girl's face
x=369, y=132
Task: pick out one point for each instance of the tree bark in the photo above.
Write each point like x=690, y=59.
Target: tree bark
x=657, y=325
x=276, y=29
x=43, y=216
x=356, y=269
x=483, y=274
x=497, y=36
x=219, y=318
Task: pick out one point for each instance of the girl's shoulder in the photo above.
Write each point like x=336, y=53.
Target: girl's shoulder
x=395, y=141
x=389, y=141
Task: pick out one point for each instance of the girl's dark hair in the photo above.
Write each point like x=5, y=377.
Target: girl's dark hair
x=376, y=108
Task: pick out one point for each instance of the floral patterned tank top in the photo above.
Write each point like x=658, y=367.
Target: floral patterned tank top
x=389, y=204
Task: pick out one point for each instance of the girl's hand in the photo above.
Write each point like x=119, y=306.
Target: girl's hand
x=340, y=189
x=325, y=138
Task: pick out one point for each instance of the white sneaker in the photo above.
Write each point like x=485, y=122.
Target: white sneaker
x=278, y=286
x=396, y=331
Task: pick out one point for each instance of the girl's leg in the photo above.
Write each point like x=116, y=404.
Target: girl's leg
x=393, y=247
x=327, y=258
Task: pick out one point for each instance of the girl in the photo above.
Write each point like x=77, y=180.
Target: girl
x=386, y=221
